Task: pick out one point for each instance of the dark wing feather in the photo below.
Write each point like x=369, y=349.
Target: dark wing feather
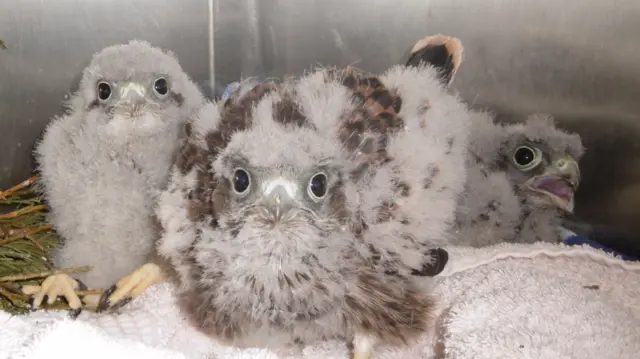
x=364, y=130
x=236, y=115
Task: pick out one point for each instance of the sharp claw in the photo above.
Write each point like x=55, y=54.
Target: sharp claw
x=104, y=302
x=103, y=305
x=129, y=287
x=81, y=285
x=120, y=304
x=74, y=313
x=31, y=306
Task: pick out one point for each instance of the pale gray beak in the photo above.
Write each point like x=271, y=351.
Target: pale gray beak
x=279, y=202
x=279, y=196
x=132, y=94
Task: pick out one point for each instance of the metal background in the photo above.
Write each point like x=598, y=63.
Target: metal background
x=576, y=59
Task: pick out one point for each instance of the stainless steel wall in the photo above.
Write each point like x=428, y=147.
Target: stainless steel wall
x=50, y=42
x=577, y=59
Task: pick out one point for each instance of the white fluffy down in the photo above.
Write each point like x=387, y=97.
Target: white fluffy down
x=101, y=177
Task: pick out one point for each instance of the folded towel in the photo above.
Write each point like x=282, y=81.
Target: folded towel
x=507, y=301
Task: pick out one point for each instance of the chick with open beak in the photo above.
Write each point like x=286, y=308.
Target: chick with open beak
x=559, y=182
x=558, y=176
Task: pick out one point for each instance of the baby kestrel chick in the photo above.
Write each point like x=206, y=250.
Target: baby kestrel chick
x=103, y=163
x=306, y=210
x=521, y=178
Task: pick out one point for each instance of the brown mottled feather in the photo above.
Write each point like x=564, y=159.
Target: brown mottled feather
x=393, y=313
x=383, y=311
x=365, y=131
x=236, y=116
x=366, y=128
x=288, y=112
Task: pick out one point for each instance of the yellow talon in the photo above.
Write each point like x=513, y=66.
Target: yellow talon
x=132, y=285
x=54, y=286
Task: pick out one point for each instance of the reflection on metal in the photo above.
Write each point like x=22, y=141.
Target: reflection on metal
x=575, y=59
x=50, y=42
x=212, y=44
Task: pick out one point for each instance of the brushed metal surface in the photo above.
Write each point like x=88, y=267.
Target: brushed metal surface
x=576, y=59
x=50, y=42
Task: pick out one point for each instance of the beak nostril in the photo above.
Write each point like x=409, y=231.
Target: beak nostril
x=279, y=196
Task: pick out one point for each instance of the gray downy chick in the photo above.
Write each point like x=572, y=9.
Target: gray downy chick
x=103, y=163
x=521, y=178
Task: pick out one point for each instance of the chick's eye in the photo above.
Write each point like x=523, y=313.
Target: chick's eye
x=104, y=91
x=526, y=157
x=318, y=186
x=161, y=86
x=241, y=181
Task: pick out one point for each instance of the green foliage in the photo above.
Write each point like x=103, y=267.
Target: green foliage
x=26, y=244
x=3, y=46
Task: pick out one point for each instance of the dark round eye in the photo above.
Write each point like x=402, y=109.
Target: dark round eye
x=161, y=86
x=526, y=157
x=104, y=91
x=318, y=186
x=241, y=181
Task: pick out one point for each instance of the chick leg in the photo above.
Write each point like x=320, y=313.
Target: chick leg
x=363, y=346
x=54, y=286
x=131, y=286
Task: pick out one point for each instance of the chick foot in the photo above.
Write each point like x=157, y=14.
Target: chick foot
x=130, y=287
x=363, y=346
x=54, y=286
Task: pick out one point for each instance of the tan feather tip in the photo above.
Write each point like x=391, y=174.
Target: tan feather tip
x=453, y=45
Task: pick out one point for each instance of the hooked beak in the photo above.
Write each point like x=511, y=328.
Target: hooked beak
x=132, y=94
x=279, y=197
x=559, y=182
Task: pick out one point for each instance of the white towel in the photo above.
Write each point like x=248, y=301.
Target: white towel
x=503, y=302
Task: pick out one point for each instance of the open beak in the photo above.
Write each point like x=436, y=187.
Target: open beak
x=279, y=197
x=559, y=182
